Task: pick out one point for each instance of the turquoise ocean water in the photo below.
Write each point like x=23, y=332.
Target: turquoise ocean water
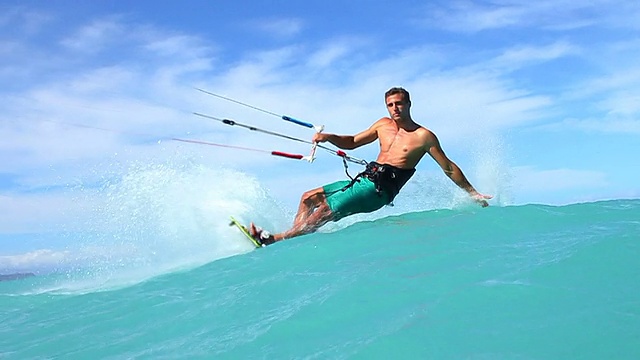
x=159, y=274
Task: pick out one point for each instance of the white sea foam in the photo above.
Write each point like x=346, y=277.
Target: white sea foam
x=154, y=219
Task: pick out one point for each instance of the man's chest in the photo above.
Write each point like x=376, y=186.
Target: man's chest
x=399, y=141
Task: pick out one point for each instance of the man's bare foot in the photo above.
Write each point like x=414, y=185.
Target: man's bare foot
x=261, y=235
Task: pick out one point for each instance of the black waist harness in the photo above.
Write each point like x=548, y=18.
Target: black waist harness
x=388, y=179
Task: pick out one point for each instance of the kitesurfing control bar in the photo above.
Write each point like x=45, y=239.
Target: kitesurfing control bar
x=309, y=158
x=314, y=145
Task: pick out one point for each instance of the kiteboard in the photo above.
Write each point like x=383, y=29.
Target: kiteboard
x=245, y=232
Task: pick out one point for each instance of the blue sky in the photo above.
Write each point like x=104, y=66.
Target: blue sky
x=538, y=102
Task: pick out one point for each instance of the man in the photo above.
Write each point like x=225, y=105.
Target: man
x=403, y=143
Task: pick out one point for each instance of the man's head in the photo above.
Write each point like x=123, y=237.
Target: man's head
x=398, y=90
x=398, y=103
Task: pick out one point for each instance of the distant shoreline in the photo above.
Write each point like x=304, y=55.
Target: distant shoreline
x=16, y=276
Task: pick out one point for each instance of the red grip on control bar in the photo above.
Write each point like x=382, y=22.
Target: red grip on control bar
x=287, y=155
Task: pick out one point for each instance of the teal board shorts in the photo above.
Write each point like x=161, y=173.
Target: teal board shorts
x=362, y=197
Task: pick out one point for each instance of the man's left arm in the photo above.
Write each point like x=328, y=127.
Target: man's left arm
x=454, y=172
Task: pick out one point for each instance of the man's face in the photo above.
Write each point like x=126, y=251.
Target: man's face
x=397, y=107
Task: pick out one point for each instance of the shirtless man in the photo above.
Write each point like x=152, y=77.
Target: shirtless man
x=403, y=143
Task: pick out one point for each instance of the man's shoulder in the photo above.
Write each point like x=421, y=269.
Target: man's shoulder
x=426, y=136
x=425, y=132
x=381, y=123
x=384, y=120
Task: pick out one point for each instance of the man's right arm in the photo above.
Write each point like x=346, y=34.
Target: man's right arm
x=349, y=142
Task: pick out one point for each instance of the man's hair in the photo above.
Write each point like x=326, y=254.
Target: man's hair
x=398, y=90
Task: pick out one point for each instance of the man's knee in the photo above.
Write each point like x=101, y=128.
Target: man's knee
x=321, y=215
x=314, y=196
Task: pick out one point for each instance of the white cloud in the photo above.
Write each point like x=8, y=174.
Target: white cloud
x=279, y=28
x=328, y=54
x=459, y=104
x=43, y=258
x=524, y=55
x=612, y=99
x=467, y=16
x=96, y=35
x=615, y=78
x=176, y=47
x=26, y=21
x=623, y=104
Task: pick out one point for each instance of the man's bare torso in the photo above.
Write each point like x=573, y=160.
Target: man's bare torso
x=402, y=147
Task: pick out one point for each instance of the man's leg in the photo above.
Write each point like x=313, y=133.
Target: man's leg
x=313, y=212
x=309, y=201
x=320, y=216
